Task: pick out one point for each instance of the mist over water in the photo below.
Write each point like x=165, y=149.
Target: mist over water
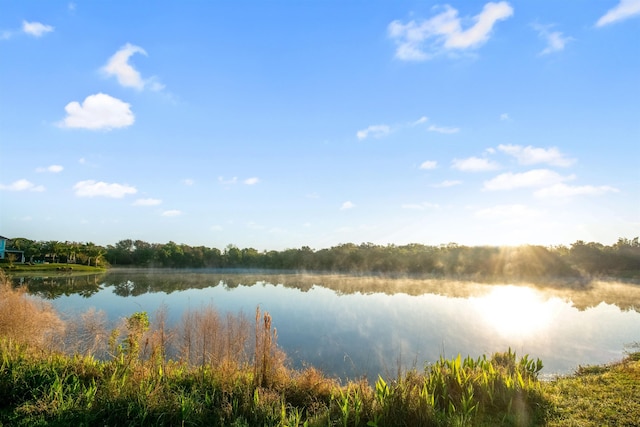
x=364, y=326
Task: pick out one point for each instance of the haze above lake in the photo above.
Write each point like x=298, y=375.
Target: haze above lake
x=351, y=326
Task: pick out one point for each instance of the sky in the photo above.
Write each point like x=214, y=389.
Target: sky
x=281, y=124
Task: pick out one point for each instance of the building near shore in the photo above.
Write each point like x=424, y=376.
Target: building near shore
x=6, y=252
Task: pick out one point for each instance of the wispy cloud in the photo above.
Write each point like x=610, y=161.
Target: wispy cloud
x=172, y=213
x=421, y=120
x=561, y=190
x=519, y=213
x=421, y=206
x=98, y=112
x=232, y=181
x=429, y=164
x=52, y=169
x=188, y=182
x=224, y=181
x=446, y=184
x=530, y=155
x=505, y=117
x=623, y=10
x=442, y=129
x=555, y=40
x=91, y=188
x=535, y=178
x=374, y=131
x=347, y=205
x=474, y=164
x=22, y=185
x=36, y=29
x=119, y=67
x=422, y=40
x=147, y=202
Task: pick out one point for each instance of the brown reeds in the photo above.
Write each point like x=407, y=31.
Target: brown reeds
x=27, y=320
x=268, y=365
x=209, y=340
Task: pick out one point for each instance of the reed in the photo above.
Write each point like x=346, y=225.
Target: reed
x=26, y=320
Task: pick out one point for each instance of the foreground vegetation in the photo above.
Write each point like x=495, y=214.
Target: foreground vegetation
x=217, y=370
x=580, y=261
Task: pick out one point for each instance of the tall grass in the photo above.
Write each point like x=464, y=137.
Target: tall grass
x=26, y=320
x=210, y=370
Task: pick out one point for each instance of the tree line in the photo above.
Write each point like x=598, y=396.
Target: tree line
x=579, y=259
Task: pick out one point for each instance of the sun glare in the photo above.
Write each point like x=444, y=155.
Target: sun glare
x=514, y=310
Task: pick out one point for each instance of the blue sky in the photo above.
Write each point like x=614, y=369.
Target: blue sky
x=280, y=124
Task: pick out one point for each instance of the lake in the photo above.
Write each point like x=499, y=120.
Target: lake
x=352, y=326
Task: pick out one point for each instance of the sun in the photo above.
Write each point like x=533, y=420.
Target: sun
x=514, y=311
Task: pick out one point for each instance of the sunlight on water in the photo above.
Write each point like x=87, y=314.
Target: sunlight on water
x=514, y=311
x=352, y=326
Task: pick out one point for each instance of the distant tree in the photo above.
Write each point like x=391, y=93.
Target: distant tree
x=232, y=256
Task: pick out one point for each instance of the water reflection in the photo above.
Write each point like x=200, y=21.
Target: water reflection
x=352, y=326
x=58, y=285
x=515, y=310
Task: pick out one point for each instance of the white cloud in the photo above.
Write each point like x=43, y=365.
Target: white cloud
x=563, y=190
x=22, y=185
x=118, y=66
x=52, y=169
x=347, y=205
x=91, y=188
x=441, y=129
x=555, y=40
x=188, y=182
x=421, y=206
x=474, y=164
x=249, y=181
x=99, y=111
x=535, y=178
x=504, y=116
x=172, y=213
x=446, y=184
x=429, y=164
x=623, y=10
x=419, y=41
x=147, y=202
x=508, y=212
x=374, y=131
x=233, y=180
x=36, y=29
x=531, y=155
x=420, y=121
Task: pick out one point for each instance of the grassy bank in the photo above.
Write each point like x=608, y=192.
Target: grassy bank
x=230, y=371
x=50, y=268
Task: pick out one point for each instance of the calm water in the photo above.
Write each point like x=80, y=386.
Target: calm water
x=352, y=326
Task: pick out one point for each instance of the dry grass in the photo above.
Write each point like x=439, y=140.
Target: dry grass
x=25, y=320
